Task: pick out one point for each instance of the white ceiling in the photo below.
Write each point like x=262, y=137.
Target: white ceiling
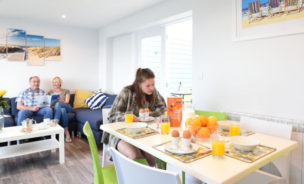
x=83, y=13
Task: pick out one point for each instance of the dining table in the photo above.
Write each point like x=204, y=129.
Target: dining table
x=210, y=169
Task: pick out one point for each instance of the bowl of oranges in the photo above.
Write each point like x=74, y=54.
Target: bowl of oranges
x=202, y=127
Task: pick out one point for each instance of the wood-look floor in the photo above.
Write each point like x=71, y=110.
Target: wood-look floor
x=44, y=167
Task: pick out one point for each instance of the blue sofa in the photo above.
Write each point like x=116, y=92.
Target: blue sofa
x=77, y=118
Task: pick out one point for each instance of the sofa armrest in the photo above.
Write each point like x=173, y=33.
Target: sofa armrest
x=105, y=112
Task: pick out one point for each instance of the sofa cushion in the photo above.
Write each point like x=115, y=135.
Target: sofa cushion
x=80, y=96
x=110, y=100
x=96, y=101
x=93, y=116
x=7, y=111
x=14, y=107
x=9, y=121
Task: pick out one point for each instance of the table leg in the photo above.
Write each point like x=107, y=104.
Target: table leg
x=53, y=136
x=61, y=148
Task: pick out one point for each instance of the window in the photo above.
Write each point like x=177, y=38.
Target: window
x=167, y=50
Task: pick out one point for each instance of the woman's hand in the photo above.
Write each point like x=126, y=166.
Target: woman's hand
x=135, y=118
x=61, y=100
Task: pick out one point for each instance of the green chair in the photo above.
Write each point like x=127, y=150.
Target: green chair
x=105, y=175
x=219, y=115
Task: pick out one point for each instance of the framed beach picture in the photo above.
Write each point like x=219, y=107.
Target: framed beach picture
x=52, y=49
x=2, y=45
x=16, y=41
x=35, y=50
x=255, y=19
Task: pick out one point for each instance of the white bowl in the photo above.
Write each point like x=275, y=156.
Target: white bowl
x=135, y=128
x=244, y=143
x=225, y=125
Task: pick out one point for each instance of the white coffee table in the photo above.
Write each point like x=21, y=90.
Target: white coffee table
x=14, y=134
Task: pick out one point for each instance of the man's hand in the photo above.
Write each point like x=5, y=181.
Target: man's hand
x=35, y=109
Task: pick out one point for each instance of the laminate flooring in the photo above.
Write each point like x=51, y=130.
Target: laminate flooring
x=44, y=167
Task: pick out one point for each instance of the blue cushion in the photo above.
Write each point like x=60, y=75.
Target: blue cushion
x=14, y=107
x=93, y=116
x=7, y=111
x=9, y=121
x=110, y=100
x=96, y=101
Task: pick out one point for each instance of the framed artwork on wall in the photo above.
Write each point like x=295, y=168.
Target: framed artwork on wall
x=35, y=50
x=2, y=45
x=52, y=49
x=16, y=42
x=255, y=19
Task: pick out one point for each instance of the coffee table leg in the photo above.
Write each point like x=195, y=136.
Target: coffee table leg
x=53, y=138
x=61, y=147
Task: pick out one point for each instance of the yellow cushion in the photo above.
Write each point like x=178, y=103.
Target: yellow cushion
x=80, y=96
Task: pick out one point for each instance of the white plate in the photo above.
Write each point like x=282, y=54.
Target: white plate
x=169, y=147
x=146, y=119
x=136, y=127
x=244, y=143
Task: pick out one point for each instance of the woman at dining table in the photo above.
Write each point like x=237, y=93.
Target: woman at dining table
x=141, y=94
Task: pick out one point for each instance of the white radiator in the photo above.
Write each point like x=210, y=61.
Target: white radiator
x=297, y=155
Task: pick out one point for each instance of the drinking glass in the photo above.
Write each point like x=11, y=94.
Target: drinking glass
x=129, y=117
x=234, y=129
x=218, y=146
x=164, y=125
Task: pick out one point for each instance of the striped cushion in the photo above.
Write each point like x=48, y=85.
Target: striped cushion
x=96, y=101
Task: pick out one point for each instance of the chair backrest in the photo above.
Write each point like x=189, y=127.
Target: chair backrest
x=126, y=169
x=106, y=154
x=273, y=129
x=98, y=177
x=219, y=115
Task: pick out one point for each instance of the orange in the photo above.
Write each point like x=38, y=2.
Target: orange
x=212, y=118
x=193, y=129
x=188, y=121
x=203, y=120
x=204, y=133
x=195, y=122
x=212, y=125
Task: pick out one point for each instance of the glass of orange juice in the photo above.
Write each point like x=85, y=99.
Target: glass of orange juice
x=218, y=146
x=164, y=125
x=129, y=117
x=234, y=129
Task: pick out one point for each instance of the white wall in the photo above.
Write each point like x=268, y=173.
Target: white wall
x=259, y=76
x=78, y=67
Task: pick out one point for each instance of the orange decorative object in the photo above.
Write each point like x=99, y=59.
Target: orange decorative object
x=174, y=110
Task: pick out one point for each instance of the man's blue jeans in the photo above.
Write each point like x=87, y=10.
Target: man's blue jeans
x=46, y=112
x=61, y=110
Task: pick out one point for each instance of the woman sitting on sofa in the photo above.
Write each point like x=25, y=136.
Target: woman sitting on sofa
x=140, y=94
x=62, y=106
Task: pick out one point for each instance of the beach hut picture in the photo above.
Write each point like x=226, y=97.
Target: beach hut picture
x=261, y=12
x=52, y=49
x=2, y=45
x=35, y=50
x=16, y=42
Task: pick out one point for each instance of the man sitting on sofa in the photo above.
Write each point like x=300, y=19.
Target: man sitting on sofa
x=27, y=102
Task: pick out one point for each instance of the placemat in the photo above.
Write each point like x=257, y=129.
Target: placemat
x=186, y=158
x=249, y=157
x=144, y=132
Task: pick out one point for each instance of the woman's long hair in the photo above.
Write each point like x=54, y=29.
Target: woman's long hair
x=141, y=75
